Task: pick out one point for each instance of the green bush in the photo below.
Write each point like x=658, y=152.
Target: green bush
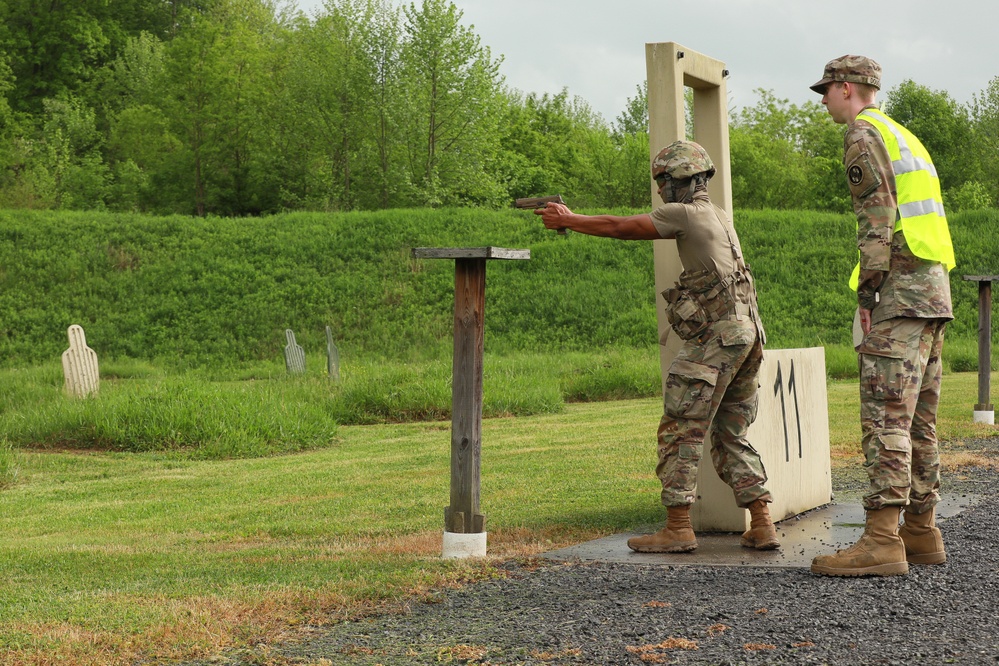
x=961, y=355
x=202, y=414
x=206, y=419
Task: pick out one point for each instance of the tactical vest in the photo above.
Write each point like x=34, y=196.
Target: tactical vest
x=702, y=297
x=920, y=204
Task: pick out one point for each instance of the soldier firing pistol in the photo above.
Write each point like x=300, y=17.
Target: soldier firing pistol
x=533, y=203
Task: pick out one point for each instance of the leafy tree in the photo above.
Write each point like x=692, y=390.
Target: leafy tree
x=7, y=129
x=191, y=77
x=149, y=161
x=55, y=47
x=6, y=86
x=58, y=46
x=766, y=173
x=635, y=117
x=248, y=34
x=538, y=135
x=334, y=113
x=287, y=170
x=631, y=135
x=450, y=87
x=139, y=143
x=213, y=83
x=520, y=173
x=244, y=107
x=24, y=180
x=72, y=149
x=985, y=136
x=134, y=76
x=786, y=156
x=386, y=43
x=337, y=83
x=970, y=195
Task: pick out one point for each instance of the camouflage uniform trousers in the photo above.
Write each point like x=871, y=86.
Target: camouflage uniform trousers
x=900, y=373
x=712, y=383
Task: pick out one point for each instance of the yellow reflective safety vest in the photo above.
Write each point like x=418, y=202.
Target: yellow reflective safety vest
x=920, y=204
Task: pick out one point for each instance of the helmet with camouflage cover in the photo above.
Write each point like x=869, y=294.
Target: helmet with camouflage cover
x=681, y=160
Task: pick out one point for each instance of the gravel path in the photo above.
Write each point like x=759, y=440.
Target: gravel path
x=556, y=613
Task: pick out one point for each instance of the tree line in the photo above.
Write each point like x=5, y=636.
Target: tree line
x=249, y=107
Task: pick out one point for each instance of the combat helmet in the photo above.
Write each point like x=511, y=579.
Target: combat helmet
x=681, y=160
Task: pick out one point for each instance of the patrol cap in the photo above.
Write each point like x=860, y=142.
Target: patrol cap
x=852, y=68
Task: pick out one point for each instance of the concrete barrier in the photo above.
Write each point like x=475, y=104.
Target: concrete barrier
x=791, y=433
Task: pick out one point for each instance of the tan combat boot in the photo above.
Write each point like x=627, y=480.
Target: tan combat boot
x=879, y=552
x=922, y=538
x=761, y=534
x=676, y=537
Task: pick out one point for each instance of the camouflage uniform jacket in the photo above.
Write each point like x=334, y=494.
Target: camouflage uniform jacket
x=912, y=287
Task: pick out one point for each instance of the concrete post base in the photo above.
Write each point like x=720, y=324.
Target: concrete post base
x=985, y=417
x=457, y=545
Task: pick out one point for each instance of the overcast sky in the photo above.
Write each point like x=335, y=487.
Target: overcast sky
x=596, y=48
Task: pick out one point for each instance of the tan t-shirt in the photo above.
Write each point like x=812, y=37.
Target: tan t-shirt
x=706, y=241
x=700, y=232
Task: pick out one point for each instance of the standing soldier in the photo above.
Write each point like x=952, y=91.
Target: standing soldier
x=713, y=380
x=903, y=297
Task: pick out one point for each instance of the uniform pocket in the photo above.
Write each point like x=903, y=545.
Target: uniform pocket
x=890, y=457
x=687, y=316
x=689, y=389
x=735, y=334
x=882, y=367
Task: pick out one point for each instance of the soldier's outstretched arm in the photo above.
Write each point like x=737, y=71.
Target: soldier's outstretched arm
x=631, y=227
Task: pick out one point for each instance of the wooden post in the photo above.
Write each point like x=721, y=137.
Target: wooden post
x=984, y=344
x=984, y=410
x=463, y=515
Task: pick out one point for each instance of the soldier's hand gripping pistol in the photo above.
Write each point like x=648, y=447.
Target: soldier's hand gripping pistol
x=539, y=202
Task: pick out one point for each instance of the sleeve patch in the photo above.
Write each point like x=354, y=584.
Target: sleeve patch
x=861, y=173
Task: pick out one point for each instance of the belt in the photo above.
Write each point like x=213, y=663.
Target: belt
x=742, y=310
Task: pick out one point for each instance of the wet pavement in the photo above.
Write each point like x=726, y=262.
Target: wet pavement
x=816, y=532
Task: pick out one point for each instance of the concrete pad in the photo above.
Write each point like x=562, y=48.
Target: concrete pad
x=817, y=532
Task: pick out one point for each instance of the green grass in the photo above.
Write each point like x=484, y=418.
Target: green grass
x=205, y=499
x=107, y=557
x=10, y=467
x=180, y=413
x=261, y=410
x=105, y=549
x=219, y=293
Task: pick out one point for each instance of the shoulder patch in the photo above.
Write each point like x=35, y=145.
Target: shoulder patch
x=861, y=173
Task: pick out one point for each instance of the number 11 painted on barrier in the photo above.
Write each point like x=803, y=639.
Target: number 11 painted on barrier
x=792, y=387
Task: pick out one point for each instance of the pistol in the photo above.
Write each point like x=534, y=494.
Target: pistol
x=539, y=202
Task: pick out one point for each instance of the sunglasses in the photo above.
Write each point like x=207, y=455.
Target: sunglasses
x=662, y=179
